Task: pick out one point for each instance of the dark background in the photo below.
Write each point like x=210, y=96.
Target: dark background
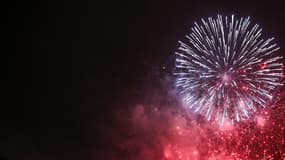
x=68, y=64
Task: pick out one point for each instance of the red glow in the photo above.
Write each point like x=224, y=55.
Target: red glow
x=227, y=126
x=245, y=88
x=264, y=65
x=226, y=79
x=167, y=152
x=260, y=121
x=162, y=134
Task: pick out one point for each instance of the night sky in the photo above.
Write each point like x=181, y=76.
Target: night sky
x=72, y=67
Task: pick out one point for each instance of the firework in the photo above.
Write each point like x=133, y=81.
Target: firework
x=226, y=71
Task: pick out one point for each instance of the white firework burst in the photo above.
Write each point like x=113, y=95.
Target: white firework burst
x=226, y=71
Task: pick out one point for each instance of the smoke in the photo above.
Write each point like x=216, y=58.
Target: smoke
x=160, y=129
x=153, y=133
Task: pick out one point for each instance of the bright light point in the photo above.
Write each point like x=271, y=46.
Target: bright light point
x=195, y=152
x=263, y=65
x=226, y=126
x=260, y=121
x=167, y=152
x=226, y=77
x=245, y=88
x=241, y=104
x=266, y=112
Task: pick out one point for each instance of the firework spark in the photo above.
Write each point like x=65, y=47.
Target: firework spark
x=166, y=132
x=227, y=71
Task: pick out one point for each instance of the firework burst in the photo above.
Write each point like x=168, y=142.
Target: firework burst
x=227, y=71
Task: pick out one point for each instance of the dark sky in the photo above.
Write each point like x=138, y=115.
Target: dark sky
x=69, y=63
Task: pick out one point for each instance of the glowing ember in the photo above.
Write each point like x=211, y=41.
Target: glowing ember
x=261, y=121
x=166, y=132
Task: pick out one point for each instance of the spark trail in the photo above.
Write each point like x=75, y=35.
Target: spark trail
x=226, y=71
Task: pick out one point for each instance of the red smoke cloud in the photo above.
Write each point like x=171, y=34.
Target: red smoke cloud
x=168, y=132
